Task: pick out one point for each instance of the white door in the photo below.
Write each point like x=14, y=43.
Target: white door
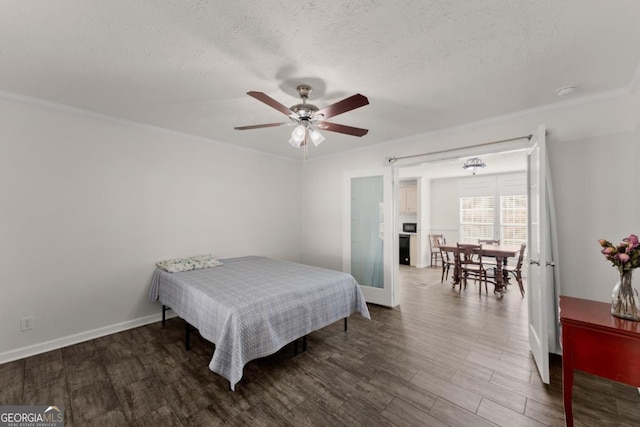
x=538, y=292
x=368, y=245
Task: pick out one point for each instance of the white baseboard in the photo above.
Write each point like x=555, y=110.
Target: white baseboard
x=32, y=350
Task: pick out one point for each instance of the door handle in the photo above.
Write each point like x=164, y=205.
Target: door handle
x=551, y=264
x=535, y=261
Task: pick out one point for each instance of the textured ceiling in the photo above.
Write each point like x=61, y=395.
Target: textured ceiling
x=424, y=65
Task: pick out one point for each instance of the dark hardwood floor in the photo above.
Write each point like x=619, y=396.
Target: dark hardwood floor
x=441, y=358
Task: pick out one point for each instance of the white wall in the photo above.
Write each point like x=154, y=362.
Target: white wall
x=594, y=182
x=445, y=216
x=636, y=174
x=322, y=198
x=88, y=205
x=591, y=196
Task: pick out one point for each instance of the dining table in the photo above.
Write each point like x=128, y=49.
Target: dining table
x=501, y=253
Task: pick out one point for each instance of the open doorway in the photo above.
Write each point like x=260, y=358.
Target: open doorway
x=524, y=176
x=465, y=206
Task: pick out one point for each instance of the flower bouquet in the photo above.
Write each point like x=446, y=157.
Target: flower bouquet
x=625, y=256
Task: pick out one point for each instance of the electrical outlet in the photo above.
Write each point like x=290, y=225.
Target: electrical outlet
x=26, y=323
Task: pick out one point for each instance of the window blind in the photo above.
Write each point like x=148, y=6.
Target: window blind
x=513, y=219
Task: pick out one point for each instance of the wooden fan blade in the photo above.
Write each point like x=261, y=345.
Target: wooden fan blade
x=267, y=125
x=270, y=102
x=347, y=104
x=349, y=130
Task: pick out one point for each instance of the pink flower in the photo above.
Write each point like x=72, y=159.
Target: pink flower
x=623, y=257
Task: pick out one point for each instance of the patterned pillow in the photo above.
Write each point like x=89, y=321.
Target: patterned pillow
x=190, y=263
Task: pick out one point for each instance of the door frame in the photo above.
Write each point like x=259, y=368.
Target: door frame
x=388, y=295
x=551, y=307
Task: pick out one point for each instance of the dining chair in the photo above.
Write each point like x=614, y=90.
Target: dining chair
x=491, y=261
x=471, y=264
x=448, y=261
x=488, y=242
x=516, y=270
x=435, y=240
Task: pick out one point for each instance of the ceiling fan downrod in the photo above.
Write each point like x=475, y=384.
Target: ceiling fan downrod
x=304, y=111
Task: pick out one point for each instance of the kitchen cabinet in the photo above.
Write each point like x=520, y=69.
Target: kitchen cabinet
x=408, y=199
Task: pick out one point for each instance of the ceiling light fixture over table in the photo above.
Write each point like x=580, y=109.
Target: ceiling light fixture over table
x=473, y=164
x=309, y=118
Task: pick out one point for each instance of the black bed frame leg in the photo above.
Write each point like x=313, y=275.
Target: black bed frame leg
x=164, y=313
x=345, y=324
x=187, y=336
x=304, y=345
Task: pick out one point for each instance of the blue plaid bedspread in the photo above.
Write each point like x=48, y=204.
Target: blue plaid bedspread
x=251, y=307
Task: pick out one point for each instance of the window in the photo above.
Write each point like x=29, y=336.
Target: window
x=513, y=219
x=493, y=207
x=476, y=219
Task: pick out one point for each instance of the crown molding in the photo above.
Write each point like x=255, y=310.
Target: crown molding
x=589, y=99
x=12, y=96
x=598, y=97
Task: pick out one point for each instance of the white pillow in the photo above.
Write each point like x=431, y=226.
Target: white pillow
x=191, y=263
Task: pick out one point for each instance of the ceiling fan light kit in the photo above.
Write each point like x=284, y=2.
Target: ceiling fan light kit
x=316, y=137
x=310, y=118
x=297, y=136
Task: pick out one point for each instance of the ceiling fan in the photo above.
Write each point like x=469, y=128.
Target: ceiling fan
x=309, y=118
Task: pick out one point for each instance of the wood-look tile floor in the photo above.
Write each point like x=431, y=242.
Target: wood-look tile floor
x=443, y=357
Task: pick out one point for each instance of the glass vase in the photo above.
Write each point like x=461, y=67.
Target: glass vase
x=625, y=300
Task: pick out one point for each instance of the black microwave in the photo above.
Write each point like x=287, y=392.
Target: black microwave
x=409, y=227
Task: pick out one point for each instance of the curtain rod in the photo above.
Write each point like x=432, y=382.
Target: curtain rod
x=394, y=159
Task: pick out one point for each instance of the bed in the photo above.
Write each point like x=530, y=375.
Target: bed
x=250, y=307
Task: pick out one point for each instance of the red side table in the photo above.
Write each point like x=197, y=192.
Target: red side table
x=598, y=343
